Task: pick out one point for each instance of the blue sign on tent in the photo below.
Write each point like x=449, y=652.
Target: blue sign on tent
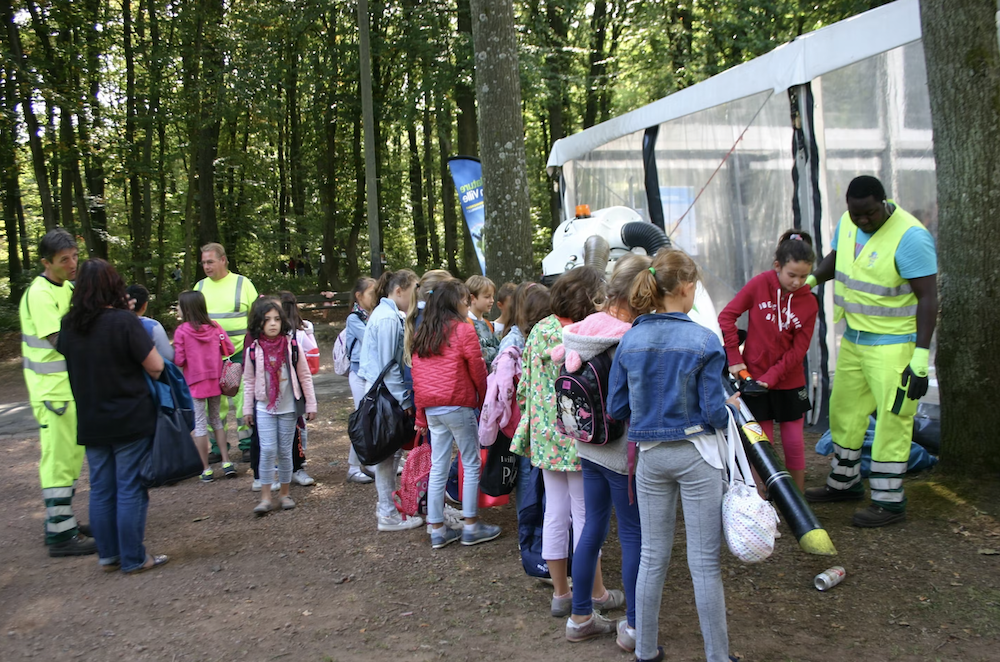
x=467, y=173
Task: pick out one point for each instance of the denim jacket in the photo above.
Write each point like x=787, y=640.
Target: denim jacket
x=383, y=341
x=667, y=376
x=356, y=321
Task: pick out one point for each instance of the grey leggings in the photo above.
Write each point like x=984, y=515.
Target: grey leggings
x=664, y=472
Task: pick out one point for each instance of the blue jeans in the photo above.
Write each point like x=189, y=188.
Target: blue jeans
x=603, y=488
x=277, y=434
x=460, y=427
x=118, y=502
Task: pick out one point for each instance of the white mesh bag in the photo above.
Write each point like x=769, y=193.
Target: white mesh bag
x=749, y=522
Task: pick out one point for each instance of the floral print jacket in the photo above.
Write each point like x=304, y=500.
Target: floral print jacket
x=536, y=435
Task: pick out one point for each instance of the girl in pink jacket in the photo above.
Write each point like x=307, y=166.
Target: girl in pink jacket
x=277, y=388
x=199, y=345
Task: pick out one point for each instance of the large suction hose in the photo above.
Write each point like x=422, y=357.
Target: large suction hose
x=646, y=235
x=596, y=252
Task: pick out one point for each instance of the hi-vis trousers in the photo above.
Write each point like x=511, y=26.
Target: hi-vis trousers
x=866, y=380
x=59, y=467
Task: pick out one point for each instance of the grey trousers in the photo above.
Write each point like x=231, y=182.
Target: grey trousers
x=664, y=472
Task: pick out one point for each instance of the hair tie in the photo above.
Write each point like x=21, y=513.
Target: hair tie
x=652, y=271
x=796, y=236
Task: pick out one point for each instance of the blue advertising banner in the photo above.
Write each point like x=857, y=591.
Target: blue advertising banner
x=467, y=173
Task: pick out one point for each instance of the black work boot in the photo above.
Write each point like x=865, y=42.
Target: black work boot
x=78, y=545
x=874, y=516
x=826, y=493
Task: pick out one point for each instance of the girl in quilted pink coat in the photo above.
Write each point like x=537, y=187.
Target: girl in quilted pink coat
x=449, y=384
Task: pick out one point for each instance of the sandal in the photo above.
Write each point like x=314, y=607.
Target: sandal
x=263, y=508
x=151, y=562
x=287, y=503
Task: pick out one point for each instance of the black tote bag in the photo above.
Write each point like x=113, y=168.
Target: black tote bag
x=499, y=474
x=172, y=457
x=379, y=427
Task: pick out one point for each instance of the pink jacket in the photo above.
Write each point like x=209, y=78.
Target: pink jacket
x=199, y=353
x=255, y=379
x=500, y=411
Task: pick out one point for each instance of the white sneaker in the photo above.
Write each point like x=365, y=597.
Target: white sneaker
x=359, y=477
x=395, y=522
x=453, y=518
x=302, y=478
x=256, y=485
x=275, y=486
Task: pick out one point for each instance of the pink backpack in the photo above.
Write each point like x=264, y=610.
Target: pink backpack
x=411, y=497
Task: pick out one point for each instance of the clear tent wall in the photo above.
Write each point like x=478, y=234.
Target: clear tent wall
x=727, y=180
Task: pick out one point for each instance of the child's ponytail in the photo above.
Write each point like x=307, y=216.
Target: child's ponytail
x=671, y=268
x=795, y=246
x=390, y=280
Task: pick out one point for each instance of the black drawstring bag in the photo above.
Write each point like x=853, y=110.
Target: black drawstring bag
x=379, y=427
x=499, y=473
x=172, y=456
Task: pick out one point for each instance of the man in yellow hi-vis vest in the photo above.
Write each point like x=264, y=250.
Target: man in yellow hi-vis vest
x=228, y=297
x=42, y=308
x=885, y=267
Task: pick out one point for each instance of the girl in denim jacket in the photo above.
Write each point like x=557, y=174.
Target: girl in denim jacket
x=667, y=380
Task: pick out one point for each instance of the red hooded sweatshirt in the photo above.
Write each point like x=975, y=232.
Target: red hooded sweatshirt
x=778, y=333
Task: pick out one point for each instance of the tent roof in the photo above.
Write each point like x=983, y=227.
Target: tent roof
x=795, y=63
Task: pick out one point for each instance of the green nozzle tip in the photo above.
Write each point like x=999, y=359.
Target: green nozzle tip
x=817, y=542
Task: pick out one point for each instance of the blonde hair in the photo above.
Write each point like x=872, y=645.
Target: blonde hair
x=671, y=268
x=477, y=284
x=427, y=283
x=619, y=288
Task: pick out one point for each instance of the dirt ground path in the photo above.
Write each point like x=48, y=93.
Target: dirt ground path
x=318, y=584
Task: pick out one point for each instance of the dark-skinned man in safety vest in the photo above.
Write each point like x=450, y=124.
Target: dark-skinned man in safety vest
x=885, y=267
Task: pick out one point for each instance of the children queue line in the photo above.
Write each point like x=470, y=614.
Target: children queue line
x=639, y=317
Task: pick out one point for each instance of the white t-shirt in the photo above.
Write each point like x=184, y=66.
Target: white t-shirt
x=285, y=403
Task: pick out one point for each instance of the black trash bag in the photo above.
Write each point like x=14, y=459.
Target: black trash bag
x=379, y=426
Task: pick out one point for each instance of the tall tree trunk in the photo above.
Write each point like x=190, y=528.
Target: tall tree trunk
x=212, y=63
x=508, y=230
x=598, y=58
x=283, y=189
x=429, y=178
x=136, y=220
x=295, y=163
x=358, y=220
x=468, y=123
x=448, y=215
x=10, y=187
x=417, y=199
x=963, y=77
x=329, y=268
x=93, y=161
x=34, y=130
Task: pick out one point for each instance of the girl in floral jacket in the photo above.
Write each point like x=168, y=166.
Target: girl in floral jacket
x=573, y=298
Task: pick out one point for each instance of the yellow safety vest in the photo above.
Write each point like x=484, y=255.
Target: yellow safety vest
x=869, y=291
x=229, y=300
x=42, y=308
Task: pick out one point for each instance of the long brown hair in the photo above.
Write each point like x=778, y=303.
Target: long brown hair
x=619, y=288
x=390, y=280
x=535, y=306
x=291, y=307
x=439, y=314
x=577, y=292
x=98, y=286
x=194, y=310
x=428, y=282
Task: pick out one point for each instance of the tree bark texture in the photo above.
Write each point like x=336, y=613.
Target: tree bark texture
x=508, y=229
x=963, y=76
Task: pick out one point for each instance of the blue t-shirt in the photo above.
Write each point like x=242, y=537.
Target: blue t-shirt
x=915, y=257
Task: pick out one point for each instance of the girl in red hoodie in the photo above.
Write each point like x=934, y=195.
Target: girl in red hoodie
x=449, y=385
x=781, y=320
x=199, y=345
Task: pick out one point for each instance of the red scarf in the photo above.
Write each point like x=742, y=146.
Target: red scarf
x=275, y=353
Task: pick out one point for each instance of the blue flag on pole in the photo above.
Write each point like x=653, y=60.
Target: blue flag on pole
x=467, y=173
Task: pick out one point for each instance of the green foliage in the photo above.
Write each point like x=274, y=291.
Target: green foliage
x=286, y=103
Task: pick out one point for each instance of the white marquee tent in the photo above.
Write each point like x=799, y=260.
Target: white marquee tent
x=725, y=166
